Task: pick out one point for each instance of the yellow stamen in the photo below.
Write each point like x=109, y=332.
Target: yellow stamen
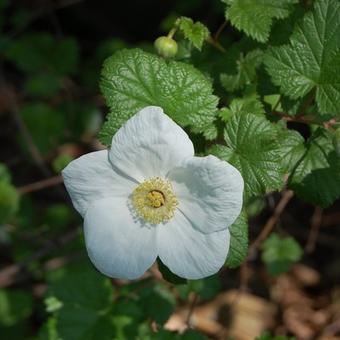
x=154, y=200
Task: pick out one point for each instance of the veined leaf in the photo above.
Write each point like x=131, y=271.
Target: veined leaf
x=255, y=17
x=312, y=59
x=253, y=149
x=133, y=79
x=316, y=178
x=238, y=242
x=196, y=32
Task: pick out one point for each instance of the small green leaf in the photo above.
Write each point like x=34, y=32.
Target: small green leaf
x=238, y=242
x=196, y=32
x=5, y=175
x=86, y=297
x=206, y=288
x=15, y=306
x=292, y=148
x=248, y=104
x=60, y=162
x=45, y=124
x=42, y=85
x=168, y=275
x=9, y=201
x=157, y=303
x=37, y=52
x=133, y=79
x=312, y=59
x=279, y=254
x=259, y=162
x=246, y=71
x=255, y=17
x=52, y=304
x=316, y=176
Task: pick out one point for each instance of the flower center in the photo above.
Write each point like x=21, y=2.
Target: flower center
x=154, y=200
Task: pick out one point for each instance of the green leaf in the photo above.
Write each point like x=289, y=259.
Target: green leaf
x=253, y=149
x=206, y=288
x=61, y=161
x=168, y=275
x=196, y=32
x=312, y=59
x=9, y=201
x=246, y=71
x=238, y=242
x=157, y=303
x=45, y=124
x=133, y=79
x=255, y=17
x=37, y=52
x=5, y=175
x=279, y=254
x=292, y=148
x=14, y=306
x=267, y=336
x=316, y=177
x=248, y=104
x=42, y=85
x=86, y=297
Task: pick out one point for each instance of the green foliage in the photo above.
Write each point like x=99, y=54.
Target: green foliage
x=316, y=176
x=15, y=306
x=9, y=196
x=37, y=52
x=248, y=104
x=312, y=59
x=157, y=303
x=246, y=71
x=133, y=79
x=238, y=242
x=259, y=163
x=267, y=336
x=206, y=288
x=84, y=298
x=255, y=17
x=196, y=32
x=45, y=124
x=60, y=162
x=279, y=254
x=42, y=85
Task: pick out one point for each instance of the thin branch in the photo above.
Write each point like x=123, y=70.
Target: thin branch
x=13, y=273
x=271, y=222
x=220, y=30
x=191, y=309
x=316, y=222
x=43, y=184
x=14, y=109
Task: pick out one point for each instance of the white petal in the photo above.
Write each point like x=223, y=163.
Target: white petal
x=189, y=253
x=117, y=244
x=209, y=192
x=149, y=145
x=91, y=177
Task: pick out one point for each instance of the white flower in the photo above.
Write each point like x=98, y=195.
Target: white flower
x=148, y=196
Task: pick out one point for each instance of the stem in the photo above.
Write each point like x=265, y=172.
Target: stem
x=172, y=33
x=36, y=186
x=216, y=44
x=220, y=30
x=267, y=229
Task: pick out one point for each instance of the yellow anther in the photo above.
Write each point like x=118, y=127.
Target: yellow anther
x=154, y=200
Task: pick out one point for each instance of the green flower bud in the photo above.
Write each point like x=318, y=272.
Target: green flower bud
x=166, y=47
x=336, y=141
